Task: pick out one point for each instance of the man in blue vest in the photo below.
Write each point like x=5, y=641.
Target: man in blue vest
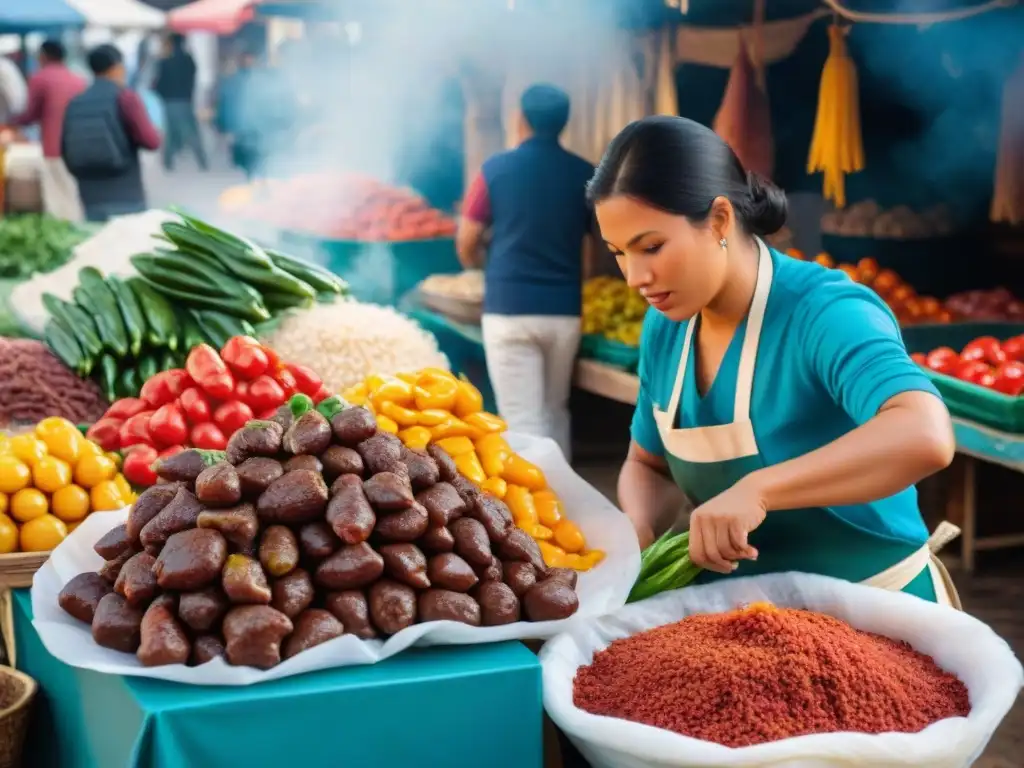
x=532, y=200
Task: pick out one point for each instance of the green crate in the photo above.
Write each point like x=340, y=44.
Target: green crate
x=615, y=353
x=966, y=400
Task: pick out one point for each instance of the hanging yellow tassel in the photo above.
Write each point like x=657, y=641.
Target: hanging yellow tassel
x=837, y=147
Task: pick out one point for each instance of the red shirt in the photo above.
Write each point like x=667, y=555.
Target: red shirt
x=136, y=120
x=49, y=91
x=476, y=204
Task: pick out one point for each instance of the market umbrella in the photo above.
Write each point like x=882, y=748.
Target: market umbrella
x=18, y=17
x=119, y=14
x=222, y=17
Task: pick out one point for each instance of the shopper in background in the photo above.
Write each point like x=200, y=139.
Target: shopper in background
x=104, y=129
x=533, y=201
x=176, y=84
x=49, y=91
x=266, y=116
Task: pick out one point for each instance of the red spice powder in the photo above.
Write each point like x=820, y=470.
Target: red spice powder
x=763, y=673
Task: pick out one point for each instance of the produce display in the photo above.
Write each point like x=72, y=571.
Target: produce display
x=307, y=527
x=200, y=405
x=35, y=384
x=996, y=304
x=340, y=206
x=348, y=341
x=986, y=361
x=762, y=673
x=432, y=407
x=50, y=479
x=465, y=286
x=207, y=286
x=664, y=565
x=613, y=310
x=868, y=219
x=34, y=243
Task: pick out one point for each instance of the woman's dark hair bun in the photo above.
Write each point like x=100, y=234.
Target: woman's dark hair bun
x=768, y=206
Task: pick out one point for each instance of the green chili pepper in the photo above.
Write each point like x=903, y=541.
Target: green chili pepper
x=332, y=406
x=299, y=404
x=675, y=576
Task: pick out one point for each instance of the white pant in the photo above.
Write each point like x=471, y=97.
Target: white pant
x=530, y=360
x=60, y=191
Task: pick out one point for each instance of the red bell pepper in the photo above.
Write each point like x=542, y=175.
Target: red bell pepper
x=106, y=433
x=265, y=393
x=196, y=406
x=165, y=387
x=138, y=465
x=167, y=425
x=306, y=379
x=208, y=436
x=232, y=416
x=135, y=431
x=125, y=408
x=245, y=356
x=210, y=372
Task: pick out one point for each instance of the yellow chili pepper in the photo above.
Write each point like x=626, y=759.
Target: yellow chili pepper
x=434, y=373
x=408, y=378
x=416, y=438
x=486, y=422
x=522, y=472
x=433, y=416
x=593, y=557
x=453, y=427
x=435, y=391
x=569, y=537
x=520, y=504
x=495, y=486
x=584, y=562
x=549, y=508
x=493, y=450
x=359, y=390
x=403, y=417
x=554, y=556
x=455, y=446
x=384, y=424
x=539, y=532
x=469, y=465
x=468, y=400
x=391, y=389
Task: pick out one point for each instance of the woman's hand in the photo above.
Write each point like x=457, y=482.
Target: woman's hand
x=719, y=528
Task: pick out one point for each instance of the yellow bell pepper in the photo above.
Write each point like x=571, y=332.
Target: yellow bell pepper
x=391, y=389
x=436, y=392
x=493, y=450
x=549, y=508
x=384, y=424
x=469, y=465
x=593, y=557
x=434, y=373
x=453, y=427
x=486, y=422
x=455, y=446
x=403, y=417
x=554, y=556
x=408, y=378
x=468, y=400
x=522, y=472
x=495, y=486
x=520, y=504
x=360, y=390
x=416, y=438
x=433, y=416
x=540, y=532
x=569, y=537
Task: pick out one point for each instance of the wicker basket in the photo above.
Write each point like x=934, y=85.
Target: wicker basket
x=16, y=693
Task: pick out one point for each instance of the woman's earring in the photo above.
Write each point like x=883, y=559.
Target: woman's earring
x=724, y=243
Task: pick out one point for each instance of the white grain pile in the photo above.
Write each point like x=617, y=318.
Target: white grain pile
x=346, y=342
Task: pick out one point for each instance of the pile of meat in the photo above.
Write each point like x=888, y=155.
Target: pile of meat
x=303, y=530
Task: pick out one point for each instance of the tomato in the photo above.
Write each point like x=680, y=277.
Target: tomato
x=106, y=433
x=232, y=416
x=984, y=348
x=943, y=360
x=1014, y=348
x=1009, y=378
x=138, y=465
x=973, y=371
x=208, y=436
x=919, y=358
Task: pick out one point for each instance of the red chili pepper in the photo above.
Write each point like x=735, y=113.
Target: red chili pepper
x=245, y=356
x=321, y=394
x=196, y=405
x=125, y=408
x=106, y=433
x=265, y=393
x=287, y=381
x=232, y=416
x=210, y=372
x=208, y=436
x=135, y=431
x=165, y=387
x=167, y=425
x=138, y=465
x=305, y=378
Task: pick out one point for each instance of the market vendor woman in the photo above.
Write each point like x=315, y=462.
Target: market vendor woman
x=775, y=393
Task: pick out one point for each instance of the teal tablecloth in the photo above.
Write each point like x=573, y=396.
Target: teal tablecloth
x=989, y=445
x=465, y=707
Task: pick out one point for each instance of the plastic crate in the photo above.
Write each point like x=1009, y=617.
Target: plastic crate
x=615, y=353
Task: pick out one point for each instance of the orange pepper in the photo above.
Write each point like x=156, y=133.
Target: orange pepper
x=554, y=556
x=408, y=378
x=549, y=508
x=569, y=537
x=593, y=557
x=434, y=373
x=432, y=417
x=384, y=424
x=453, y=427
x=455, y=446
x=436, y=392
x=522, y=472
x=540, y=533
x=495, y=486
x=487, y=422
x=416, y=438
x=493, y=451
x=584, y=562
x=520, y=504
x=469, y=465
x=403, y=417
x=468, y=400
x=389, y=389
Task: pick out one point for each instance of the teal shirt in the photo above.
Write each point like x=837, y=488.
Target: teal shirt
x=830, y=356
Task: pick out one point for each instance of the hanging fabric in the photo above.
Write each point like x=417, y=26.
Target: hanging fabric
x=719, y=46
x=1008, y=196
x=837, y=147
x=744, y=120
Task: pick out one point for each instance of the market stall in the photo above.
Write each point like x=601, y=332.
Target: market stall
x=222, y=17
x=119, y=14
x=19, y=18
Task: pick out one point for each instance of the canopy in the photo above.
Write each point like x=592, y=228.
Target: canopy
x=19, y=17
x=119, y=14
x=222, y=17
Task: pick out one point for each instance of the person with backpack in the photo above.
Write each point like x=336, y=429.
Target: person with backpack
x=104, y=129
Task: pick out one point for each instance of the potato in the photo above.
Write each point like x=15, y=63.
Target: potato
x=292, y=594
x=317, y=540
x=489, y=572
x=113, y=543
x=494, y=516
x=111, y=569
x=244, y=581
x=338, y=460
x=256, y=475
x=162, y=639
x=181, y=513
x=279, y=551
x=550, y=600
x=442, y=503
x=349, y=512
x=256, y=438
x=304, y=461
x=445, y=465
x=471, y=541
x=519, y=576
x=183, y=467
x=351, y=567
x=253, y=635
x=206, y=648
x=407, y=525
x=82, y=594
x=312, y=627
x=498, y=604
x=203, y=610
x=520, y=547
x=388, y=492
x=437, y=539
x=423, y=471
x=449, y=571
x=352, y=426
x=116, y=624
x=392, y=606
x=445, y=605
x=295, y=497
x=381, y=454
x=567, y=576
x=219, y=486
x=310, y=434
x=137, y=581
x=406, y=563
x=149, y=504
x=352, y=609
x=191, y=559
x=238, y=525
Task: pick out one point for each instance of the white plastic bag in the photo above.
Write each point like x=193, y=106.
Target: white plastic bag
x=959, y=644
x=601, y=590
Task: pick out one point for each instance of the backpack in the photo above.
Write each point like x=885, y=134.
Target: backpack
x=95, y=142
